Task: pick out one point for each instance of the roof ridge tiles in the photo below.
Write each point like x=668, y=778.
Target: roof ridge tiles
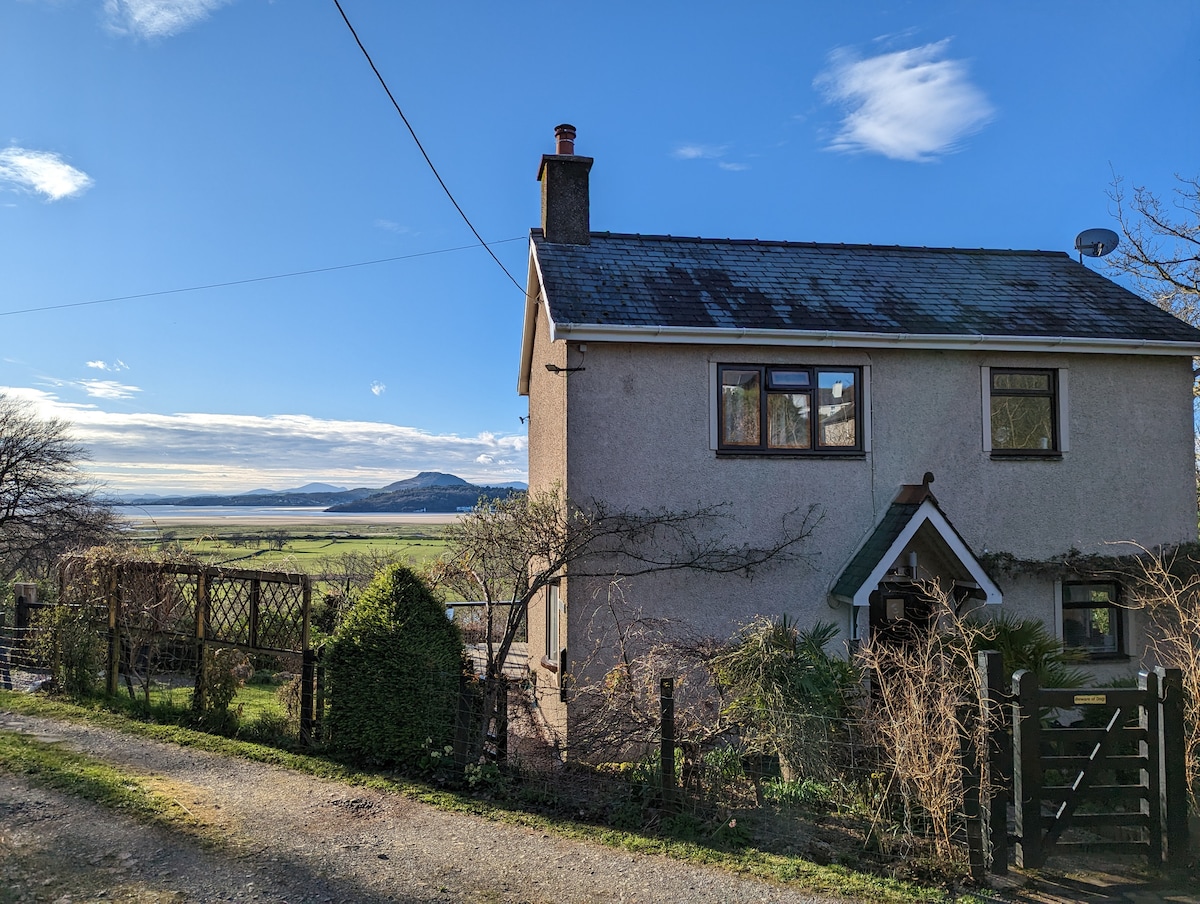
x=784, y=243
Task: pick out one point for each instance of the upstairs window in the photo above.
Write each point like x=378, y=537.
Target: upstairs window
x=788, y=409
x=1024, y=411
x=1091, y=618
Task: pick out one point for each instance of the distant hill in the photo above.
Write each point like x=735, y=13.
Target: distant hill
x=423, y=480
x=318, y=488
x=429, y=491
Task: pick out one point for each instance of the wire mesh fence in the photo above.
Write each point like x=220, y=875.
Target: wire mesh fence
x=833, y=799
x=21, y=667
x=829, y=792
x=167, y=633
x=839, y=803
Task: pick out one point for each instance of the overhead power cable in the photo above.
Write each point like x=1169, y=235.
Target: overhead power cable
x=252, y=279
x=421, y=147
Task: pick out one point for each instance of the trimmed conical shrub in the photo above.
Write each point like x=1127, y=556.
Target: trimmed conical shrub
x=393, y=673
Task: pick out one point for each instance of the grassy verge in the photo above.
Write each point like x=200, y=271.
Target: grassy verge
x=90, y=779
x=113, y=787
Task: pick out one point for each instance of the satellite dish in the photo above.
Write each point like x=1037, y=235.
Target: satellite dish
x=1096, y=242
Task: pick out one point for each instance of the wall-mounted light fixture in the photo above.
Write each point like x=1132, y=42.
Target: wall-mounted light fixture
x=555, y=369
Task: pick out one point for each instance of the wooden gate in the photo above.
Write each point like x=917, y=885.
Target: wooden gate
x=1112, y=778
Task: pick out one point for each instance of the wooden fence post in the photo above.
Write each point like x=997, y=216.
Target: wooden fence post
x=308, y=677
x=1027, y=769
x=666, y=754
x=998, y=762
x=970, y=756
x=113, y=590
x=319, y=702
x=462, y=723
x=255, y=604
x=1151, y=775
x=501, y=715
x=203, y=605
x=1173, y=791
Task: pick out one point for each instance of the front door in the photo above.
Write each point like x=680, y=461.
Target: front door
x=899, y=613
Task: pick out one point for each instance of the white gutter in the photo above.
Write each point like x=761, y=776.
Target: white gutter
x=598, y=332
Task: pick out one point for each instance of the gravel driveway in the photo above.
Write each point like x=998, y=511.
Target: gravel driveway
x=292, y=838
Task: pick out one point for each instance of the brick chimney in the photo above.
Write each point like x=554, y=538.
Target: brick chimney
x=566, y=218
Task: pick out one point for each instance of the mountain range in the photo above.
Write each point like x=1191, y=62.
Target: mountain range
x=429, y=491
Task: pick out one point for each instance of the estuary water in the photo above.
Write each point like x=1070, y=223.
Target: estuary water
x=145, y=515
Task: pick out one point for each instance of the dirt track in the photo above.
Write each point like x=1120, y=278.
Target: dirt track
x=293, y=838
x=288, y=837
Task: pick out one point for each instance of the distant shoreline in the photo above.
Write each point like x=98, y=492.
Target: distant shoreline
x=147, y=515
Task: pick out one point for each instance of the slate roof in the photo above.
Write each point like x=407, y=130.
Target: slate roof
x=640, y=281
x=890, y=526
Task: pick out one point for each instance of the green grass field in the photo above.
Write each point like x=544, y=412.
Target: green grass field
x=253, y=699
x=310, y=548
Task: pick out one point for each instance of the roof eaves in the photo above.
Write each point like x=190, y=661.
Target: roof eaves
x=604, y=332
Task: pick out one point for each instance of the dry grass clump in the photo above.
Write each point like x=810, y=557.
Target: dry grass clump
x=1169, y=590
x=926, y=706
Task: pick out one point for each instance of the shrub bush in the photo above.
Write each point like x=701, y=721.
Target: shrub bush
x=393, y=673
x=1026, y=643
x=788, y=695
x=226, y=670
x=67, y=639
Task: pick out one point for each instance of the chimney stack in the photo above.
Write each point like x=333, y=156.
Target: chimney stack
x=566, y=218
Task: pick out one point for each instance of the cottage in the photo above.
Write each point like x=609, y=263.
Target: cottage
x=932, y=405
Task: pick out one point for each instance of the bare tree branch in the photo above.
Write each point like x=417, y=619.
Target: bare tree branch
x=47, y=506
x=1161, y=247
x=506, y=552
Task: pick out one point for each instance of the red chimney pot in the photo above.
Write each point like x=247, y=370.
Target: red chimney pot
x=564, y=139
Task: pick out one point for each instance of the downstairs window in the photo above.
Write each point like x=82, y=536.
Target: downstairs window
x=1091, y=618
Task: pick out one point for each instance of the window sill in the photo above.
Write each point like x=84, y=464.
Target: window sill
x=1026, y=456
x=856, y=455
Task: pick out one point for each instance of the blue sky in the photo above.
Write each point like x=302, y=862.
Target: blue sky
x=149, y=146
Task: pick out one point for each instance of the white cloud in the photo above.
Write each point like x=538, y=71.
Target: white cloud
x=699, y=151
x=157, y=18
x=187, y=452
x=392, y=226
x=116, y=367
x=378, y=388
x=708, y=152
x=42, y=172
x=107, y=389
x=907, y=105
